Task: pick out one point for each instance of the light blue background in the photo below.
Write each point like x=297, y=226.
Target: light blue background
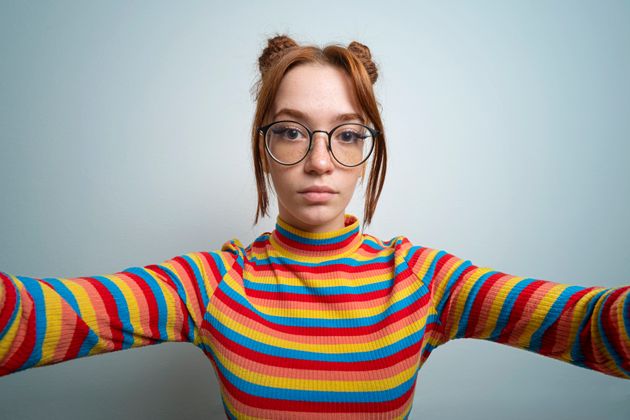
x=124, y=141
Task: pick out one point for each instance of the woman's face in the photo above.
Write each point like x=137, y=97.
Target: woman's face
x=316, y=96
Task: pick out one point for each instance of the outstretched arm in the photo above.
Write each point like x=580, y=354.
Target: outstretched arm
x=585, y=326
x=50, y=320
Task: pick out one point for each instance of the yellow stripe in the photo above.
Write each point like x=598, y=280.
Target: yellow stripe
x=302, y=384
x=342, y=348
x=494, y=311
x=427, y=260
x=338, y=314
x=462, y=293
x=205, y=276
x=135, y=318
x=88, y=314
x=272, y=252
x=171, y=326
x=537, y=316
x=52, y=334
x=343, y=279
x=580, y=309
x=9, y=338
x=239, y=415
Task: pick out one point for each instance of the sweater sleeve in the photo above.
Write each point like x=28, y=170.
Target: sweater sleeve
x=585, y=326
x=51, y=320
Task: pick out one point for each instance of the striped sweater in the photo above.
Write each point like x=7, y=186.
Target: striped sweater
x=304, y=325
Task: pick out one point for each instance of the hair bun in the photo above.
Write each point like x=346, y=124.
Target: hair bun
x=362, y=52
x=276, y=48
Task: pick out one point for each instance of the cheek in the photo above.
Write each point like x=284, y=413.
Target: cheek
x=282, y=178
x=350, y=182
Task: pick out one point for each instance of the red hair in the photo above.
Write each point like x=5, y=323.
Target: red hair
x=282, y=54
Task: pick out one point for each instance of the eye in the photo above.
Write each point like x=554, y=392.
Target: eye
x=288, y=132
x=350, y=136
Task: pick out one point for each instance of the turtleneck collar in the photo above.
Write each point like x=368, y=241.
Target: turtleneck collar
x=291, y=242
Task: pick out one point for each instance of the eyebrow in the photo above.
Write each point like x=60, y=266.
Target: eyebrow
x=298, y=114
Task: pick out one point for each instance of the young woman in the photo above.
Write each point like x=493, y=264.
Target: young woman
x=314, y=318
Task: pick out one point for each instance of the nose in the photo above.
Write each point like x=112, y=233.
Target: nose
x=319, y=159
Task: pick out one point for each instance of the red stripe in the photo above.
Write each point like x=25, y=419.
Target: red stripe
x=446, y=308
x=550, y=337
x=348, y=297
x=183, y=311
x=300, y=297
x=25, y=348
x=479, y=305
x=293, y=268
x=213, y=266
x=112, y=312
x=79, y=334
x=195, y=285
x=286, y=241
x=324, y=331
x=267, y=359
x=518, y=311
x=10, y=301
x=610, y=326
x=154, y=313
x=314, y=407
x=587, y=345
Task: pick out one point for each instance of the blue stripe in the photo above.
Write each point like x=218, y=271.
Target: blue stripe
x=470, y=301
x=318, y=291
x=323, y=322
x=316, y=242
x=181, y=292
x=18, y=304
x=508, y=306
x=311, y=396
x=552, y=316
x=122, y=310
x=576, y=351
x=340, y=261
x=90, y=341
x=197, y=273
x=34, y=289
x=269, y=349
x=611, y=350
x=65, y=293
x=218, y=262
x=159, y=298
x=453, y=279
x=228, y=413
x=315, y=396
x=372, y=244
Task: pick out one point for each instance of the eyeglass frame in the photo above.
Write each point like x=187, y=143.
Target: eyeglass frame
x=263, y=130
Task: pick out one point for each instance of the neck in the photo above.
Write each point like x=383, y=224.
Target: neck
x=293, y=242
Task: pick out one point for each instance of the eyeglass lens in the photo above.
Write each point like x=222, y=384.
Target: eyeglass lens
x=288, y=142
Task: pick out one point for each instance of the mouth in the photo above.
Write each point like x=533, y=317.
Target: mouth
x=318, y=194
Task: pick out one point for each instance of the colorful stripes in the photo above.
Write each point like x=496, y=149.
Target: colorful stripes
x=304, y=325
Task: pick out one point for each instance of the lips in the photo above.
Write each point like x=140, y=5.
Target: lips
x=317, y=194
x=318, y=189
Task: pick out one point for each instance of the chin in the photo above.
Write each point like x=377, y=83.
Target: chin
x=315, y=216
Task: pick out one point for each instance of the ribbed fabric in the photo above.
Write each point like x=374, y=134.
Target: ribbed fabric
x=303, y=325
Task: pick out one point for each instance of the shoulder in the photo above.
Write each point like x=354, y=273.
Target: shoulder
x=241, y=253
x=404, y=250
x=400, y=245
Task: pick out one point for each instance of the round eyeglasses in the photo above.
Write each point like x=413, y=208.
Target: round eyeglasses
x=288, y=142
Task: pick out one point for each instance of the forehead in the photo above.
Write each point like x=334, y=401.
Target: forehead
x=321, y=92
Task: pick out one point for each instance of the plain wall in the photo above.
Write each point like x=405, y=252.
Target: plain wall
x=124, y=141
